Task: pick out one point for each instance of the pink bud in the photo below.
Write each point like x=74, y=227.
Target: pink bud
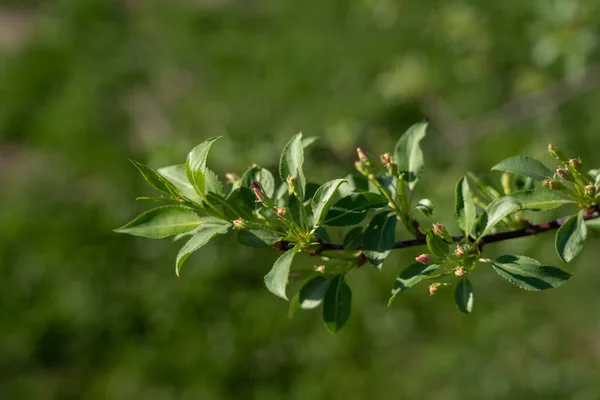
x=321, y=268
x=239, y=223
x=459, y=252
x=460, y=271
x=562, y=173
x=362, y=156
x=258, y=192
x=385, y=158
x=424, y=259
x=439, y=230
x=281, y=212
x=575, y=163
x=433, y=288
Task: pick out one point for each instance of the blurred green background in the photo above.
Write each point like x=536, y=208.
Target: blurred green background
x=87, y=84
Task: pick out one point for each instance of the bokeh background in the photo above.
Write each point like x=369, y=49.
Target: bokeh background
x=85, y=85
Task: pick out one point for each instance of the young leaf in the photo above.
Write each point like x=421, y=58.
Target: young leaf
x=312, y=293
x=496, y=211
x=213, y=184
x=337, y=304
x=425, y=206
x=162, y=222
x=437, y=245
x=408, y=155
x=541, y=199
x=465, y=207
x=177, y=175
x=524, y=166
x=355, y=184
x=463, y=296
x=277, y=279
x=410, y=276
x=528, y=273
x=195, y=165
x=206, y=231
x=323, y=199
x=294, y=305
x=155, y=179
x=570, y=238
x=309, y=141
x=258, y=238
x=352, y=209
x=354, y=238
x=379, y=238
x=291, y=163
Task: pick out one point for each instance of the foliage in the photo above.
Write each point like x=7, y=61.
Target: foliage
x=294, y=221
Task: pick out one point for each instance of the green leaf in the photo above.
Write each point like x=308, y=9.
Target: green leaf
x=235, y=205
x=162, y=222
x=155, y=179
x=206, y=231
x=487, y=190
x=294, y=305
x=323, y=199
x=355, y=184
x=495, y=212
x=593, y=224
x=379, y=238
x=524, y=166
x=337, y=304
x=312, y=293
x=408, y=155
x=309, y=141
x=195, y=165
x=291, y=163
x=528, y=273
x=463, y=296
x=425, y=206
x=437, y=245
x=465, y=211
x=570, y=238
x=176, y=174
x=213, y=184
x=541, y=199
x=258, y=238
x=277, y=279
x=352, y=209
x=260, y=175
x=354, y=238
x=410, y=276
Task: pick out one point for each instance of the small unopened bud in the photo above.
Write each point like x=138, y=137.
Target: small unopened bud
x=439, y=230
x=321, y=268
x=281, y=212
x=557, y=153
x=424, y=259
x=386, y=159
x=575, y=163
x=546, y=183
x=562, y=173
x=258, y=191
x=460, y=251
x=232, y=178
x=590, y=190
x=239, y=223
x=433, y=288
x=555, y=185
x=362, y=156
x=460, y=271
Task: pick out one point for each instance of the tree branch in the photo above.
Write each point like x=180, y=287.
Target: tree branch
x=532, y=229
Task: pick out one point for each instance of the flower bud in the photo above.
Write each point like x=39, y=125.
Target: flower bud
x=321, y=268
x=232, y=178
x=424, y=259
x=557, y=153
x=590, y=190
x=460, y=251
x=258, y=191
x=555, y=185
x=386, y=159
x=239, y=223
x=562, y=173
x=362, y=156
x=575, y=163
x=281, y=211
x=546, y=183
x=439, y=230
x=433, y=288
x=460, y=271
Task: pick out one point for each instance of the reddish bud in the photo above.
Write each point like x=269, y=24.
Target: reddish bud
x=433, y=288
x=424, y=259
x=562, y=173
x=557, y=153
x=281, y=212
x=460, y=271
x=239, y=223
x=460, y=251
x=439, y=230
x=258, y=191
x=386, y=159
x=321, y=268
x=362, y=156
x=575, y=163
